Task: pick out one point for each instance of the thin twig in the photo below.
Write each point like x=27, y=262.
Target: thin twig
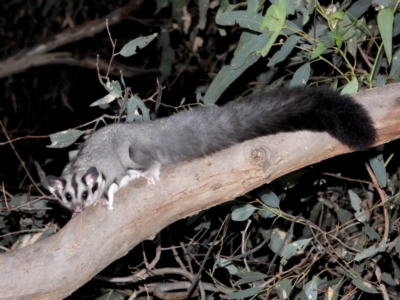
x=383, y=198
x=21, y=161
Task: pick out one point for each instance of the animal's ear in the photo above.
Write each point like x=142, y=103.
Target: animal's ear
x=90, y=177
x=55, y=184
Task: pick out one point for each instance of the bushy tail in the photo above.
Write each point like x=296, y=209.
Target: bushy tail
x=203, y=131
x=315, y=109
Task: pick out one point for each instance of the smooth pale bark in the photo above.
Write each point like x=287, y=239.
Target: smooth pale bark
x=57, y=266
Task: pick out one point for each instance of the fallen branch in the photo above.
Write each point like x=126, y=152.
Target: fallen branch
x=57, y=266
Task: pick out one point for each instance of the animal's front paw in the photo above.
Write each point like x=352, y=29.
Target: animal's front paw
x=102, y=202
x=151, y=179
x=152, y=174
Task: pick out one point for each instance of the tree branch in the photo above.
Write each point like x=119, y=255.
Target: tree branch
x=31, y=57
x=97, y=237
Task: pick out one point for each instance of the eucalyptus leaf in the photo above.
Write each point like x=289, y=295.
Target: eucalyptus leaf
x=283, y=288
x=361, y=214
x=276, y=241
x=385, y=24
x=140, y=42
x=253, y=46
x=133, y=103
x=378, y=166
x=105, y=100
x=335, y=290
x=225, y=77
x=388, y=278
x=350, y=88
x=285, y=50
x=245, y=19
x=114, y=88
x=273, y=20
x=242, y=212
x=370, y=251
x=293, y=248
x=311, y=288
x=227, y=264
x=42, y=175
x=270, y=198
x=365, y=286
x=65, y=138
x=301, y=75
x=203, y=9
x=251, y=292
x=357, y=9
x=249, y=277
x=397, y=245
x=318, y=50
x=372, y=234
x=344, y=215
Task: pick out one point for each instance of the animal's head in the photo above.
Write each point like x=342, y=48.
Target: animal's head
x=77, y=190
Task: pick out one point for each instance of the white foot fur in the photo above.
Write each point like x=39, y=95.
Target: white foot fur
x=111, y=191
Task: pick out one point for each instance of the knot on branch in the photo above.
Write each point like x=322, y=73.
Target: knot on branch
x=260, y=156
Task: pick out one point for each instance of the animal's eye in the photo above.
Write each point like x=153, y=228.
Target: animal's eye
x=68, y=197
x=84, y=195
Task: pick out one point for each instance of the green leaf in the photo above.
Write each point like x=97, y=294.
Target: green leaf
x=270, y=199
x=65, y=138
x=395, y=67
x=385, y=25
x=141, y=42
x=203, y=8
x=311, y=288
x=265, y=50
x=301, y=75
x=292, y=249
x=336, y=289
x=42, y=175
x=245, y=19
x=350, y=88
x=242, y=212
x=370, y=251
x=135, y=102
x=269, y=212
x=396, y=26
x=285, y=50
x=227, y=264
x=283, y=288
x=249, y=277
x=358, y=8
x=273, y=20
x=338, y=39
x=388, y=278
x=275, y=16
x=352, y=46
x=251, y=292
x=397, y=246
x=114, y=88
x=252, y=46
x=305, y=15
x=318, y=50
x=105, y=100
x=225, y=77
x=344, y=215
x=276, y=241
x=378, y=166
x=361, y=214
x=371, y=233
x=18, y=200
x=365, y=286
